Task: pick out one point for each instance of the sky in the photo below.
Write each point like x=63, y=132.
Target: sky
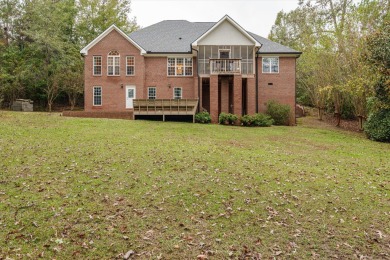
x=256, y=16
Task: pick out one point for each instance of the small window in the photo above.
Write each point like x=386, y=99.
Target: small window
x=97, y=96
x=152, y=93
x=177, y=93
x=271, y=65
x=224, y=54
x=113, y=61
x=130, y=66
x=97, y=65
x=179, y=66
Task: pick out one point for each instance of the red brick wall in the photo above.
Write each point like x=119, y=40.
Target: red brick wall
x=214, y=98
x=156, y=76
x=237, y=92
x=251, y=95
x=113, y=96
x=224, y=94
x=283, y=84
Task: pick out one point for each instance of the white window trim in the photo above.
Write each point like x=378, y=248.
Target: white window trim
x=181, y=92
x=113, y=65
x=93, y=65
x=101, y=96
x=224, y=50
x=130, y=66
x=184, y=66
x=270, y=67
x=155, y=92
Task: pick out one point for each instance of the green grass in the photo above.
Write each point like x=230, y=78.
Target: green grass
x=75, y=188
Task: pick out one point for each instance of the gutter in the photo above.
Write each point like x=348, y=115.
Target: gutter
x=197, y=73
x=257, y=80
x=184, y=52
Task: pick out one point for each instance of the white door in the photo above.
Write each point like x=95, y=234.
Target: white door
x=130, y=95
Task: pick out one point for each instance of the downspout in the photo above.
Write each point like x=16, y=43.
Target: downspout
x=197, y=73
x=257, y=80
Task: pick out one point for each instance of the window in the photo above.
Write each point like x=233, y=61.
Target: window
x=151, y=93
x=179, y=66
x=177, y=93
x=113, y=63
x=130, y=66
x=97, y=65
x=97, y=96
x=224, y=54
x=271, y=65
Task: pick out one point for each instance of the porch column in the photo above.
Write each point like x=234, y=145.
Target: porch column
x=237, y=95
x=199, y=84
x=251, y=95
x=214, y=98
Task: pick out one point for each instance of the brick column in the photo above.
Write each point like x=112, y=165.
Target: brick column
x=251, y=95
x=214, y=98
x=237, y=93
x=224, y=95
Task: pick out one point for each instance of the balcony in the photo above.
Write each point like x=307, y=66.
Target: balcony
x=225, y=66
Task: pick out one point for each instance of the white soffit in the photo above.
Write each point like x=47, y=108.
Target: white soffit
x=226, y=32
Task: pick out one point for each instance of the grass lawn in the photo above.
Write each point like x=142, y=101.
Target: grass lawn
x=74, y=188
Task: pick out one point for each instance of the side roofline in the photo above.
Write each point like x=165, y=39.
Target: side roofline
x=84, y=51
x=235, y=24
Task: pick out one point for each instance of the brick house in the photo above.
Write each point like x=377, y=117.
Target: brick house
x=225, y=67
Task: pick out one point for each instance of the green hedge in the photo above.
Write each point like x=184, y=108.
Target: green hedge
x=203, y=118
x=257, y=120
x=280, y=113
x=377, y=127
x=227, y=118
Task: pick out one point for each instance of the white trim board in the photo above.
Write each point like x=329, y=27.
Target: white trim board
x=84, y=51
x=232, y=22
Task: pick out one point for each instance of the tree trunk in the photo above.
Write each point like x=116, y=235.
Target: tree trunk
x=338, y=118
x=361, y=119
x=320, y=113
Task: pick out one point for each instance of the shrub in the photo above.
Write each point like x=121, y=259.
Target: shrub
x=257, y=120
x=227, y=118
x=280, y=113
x=377, y=127
x=203, y=118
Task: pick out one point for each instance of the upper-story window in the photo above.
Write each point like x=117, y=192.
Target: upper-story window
x=97, y=65
x=113, y=61
x=179, y=66
x=224, y=54
x=130, y=66
x=271, y=65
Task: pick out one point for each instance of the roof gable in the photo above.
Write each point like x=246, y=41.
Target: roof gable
x=226, y=32
x=84, y=51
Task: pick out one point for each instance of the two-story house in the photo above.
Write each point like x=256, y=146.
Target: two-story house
x=225, y=67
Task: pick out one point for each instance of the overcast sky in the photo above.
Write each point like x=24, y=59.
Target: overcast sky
x=256, y=16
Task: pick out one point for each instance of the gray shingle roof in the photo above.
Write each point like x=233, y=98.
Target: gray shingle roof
x=176, y=36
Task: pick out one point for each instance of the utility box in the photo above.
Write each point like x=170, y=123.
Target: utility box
x=26, y=105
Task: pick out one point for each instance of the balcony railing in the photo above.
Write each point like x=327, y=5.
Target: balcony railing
x=225, y=66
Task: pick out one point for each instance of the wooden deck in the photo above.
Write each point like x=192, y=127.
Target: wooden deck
x=165, y=107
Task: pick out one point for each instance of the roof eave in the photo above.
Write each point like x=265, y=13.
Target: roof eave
x=234, y=23
x=85, y=50
x=281, y=53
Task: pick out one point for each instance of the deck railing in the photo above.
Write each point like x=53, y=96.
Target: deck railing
x=225, y=66
x=165, y=107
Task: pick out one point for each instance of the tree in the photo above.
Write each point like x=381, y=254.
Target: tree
x=378, y=58
x=40, y=42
